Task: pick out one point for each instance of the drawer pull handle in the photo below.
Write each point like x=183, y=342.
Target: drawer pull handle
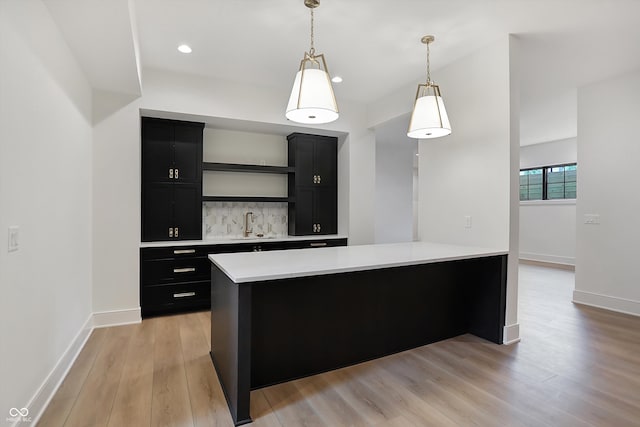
x=184, y=251
x=184, y=270
x=319, y=244
x=184, y=295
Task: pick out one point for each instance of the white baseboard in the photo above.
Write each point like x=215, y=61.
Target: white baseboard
x=104, y=319
x=554, y=259
x=511, y=334
x=621, y=305
x=43, y=396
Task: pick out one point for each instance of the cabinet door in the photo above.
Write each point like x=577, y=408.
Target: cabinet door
x=188, y=152
x=157, y=211
x=157, y=150
x=326, y=210
x=325, y=164
x=302, y=221
x=187, y=211
x=304, y=153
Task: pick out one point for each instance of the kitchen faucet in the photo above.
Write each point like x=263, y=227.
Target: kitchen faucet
x=246, y=224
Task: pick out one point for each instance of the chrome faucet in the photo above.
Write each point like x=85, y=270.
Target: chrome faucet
x=246, y=224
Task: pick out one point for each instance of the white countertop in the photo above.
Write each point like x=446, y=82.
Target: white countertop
x=227, y=241
x=259, y=266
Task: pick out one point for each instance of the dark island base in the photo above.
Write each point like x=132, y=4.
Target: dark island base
x=263, y=333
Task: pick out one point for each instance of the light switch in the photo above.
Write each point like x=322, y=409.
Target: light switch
x=467, y=221
x=592, y=219
x=13, y=238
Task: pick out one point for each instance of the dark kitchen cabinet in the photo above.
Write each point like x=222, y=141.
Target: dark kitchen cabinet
x=313, y=185
x=176, y=279
x=171, y=180
x=314, y=159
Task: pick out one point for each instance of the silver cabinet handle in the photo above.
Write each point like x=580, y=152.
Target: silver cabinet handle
x=183, y=251
x=184, y=270
x=171, y=173
x=184, y=295
x=175, y=233
x=318, y=228
x=176, y=173
x=319, y=178
x=170, y=231
x=317, y=245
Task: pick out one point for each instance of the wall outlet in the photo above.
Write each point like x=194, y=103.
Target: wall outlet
x=14, y=243
x=593, y=219
x=467, y=221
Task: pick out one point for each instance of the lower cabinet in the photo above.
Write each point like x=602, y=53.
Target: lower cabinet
x=177, y=279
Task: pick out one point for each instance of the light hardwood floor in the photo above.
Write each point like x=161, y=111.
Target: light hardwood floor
x=575, y=366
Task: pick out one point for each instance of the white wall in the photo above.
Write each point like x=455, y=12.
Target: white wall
x=548, y=227
x=607, y=273
x=232, y=146
x=467, y=173
x=474, y=171
x=548, y=231
x=549, y=153
x=45, y=189
x=116, y=209
x=394, y=191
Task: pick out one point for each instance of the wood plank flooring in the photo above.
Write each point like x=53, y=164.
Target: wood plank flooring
x=575, y=366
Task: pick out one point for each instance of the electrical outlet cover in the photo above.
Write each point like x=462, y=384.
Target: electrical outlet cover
x=13, y=238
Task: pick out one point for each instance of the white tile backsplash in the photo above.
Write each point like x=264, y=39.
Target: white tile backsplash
x=226, y=219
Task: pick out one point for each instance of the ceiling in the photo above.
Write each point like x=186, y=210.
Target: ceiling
x=375, y=44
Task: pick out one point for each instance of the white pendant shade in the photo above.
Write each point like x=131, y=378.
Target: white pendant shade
x=429, y=118
x=312, y=100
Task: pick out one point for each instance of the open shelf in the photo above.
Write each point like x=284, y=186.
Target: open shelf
x=236, y=167
x=247, y=199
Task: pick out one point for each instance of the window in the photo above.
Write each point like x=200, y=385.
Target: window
x=531, y=184
x=548, y=183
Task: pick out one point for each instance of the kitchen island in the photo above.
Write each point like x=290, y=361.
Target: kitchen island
x=281, y=315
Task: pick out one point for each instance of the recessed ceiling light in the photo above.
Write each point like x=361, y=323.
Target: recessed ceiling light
x=336, y=79
x=184, y=48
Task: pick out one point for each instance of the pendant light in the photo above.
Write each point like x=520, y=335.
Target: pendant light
x=429, y=118
x=312, y=100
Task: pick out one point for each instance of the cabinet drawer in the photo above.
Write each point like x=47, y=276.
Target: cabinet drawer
x=173, y=252
x=324, y=243
x=166, y=298
x=174, y=270
x=302, y=244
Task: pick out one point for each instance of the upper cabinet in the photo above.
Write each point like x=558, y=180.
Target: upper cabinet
x=171, y=151
x=171, y=180
x=313, y=185
x=314, y=159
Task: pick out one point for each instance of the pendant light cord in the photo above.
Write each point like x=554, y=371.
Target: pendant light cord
x=428, y=66
x=312, y=51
